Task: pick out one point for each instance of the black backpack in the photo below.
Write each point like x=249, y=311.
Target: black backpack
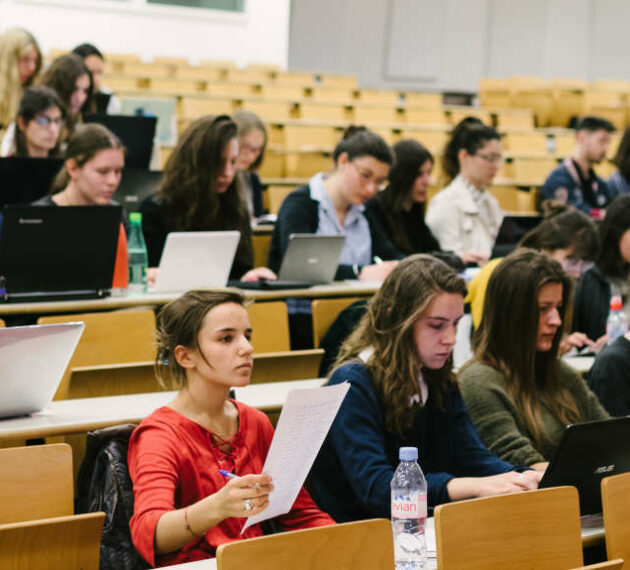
x=104, y=485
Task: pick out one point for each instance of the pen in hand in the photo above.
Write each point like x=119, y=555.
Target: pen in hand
x=378, y=260
x=227, y=474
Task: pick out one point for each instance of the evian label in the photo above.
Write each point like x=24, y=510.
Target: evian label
x=409, y=506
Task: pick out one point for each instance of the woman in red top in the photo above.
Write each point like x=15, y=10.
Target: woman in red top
x=184, y=508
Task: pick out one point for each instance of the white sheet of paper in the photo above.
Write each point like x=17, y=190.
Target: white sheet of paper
x=304, y=422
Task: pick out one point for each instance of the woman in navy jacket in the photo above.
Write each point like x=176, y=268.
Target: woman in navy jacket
x=403, y=393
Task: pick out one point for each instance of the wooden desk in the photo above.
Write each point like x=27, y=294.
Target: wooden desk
x=64, y=417
x=338, y=289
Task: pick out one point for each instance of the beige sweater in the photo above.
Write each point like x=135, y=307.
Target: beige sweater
x=500, y=423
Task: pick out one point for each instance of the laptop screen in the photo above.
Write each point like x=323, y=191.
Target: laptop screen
x=58, y=249
x=25, y=180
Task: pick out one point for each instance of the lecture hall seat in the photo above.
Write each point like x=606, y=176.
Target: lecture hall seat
x=616, y=506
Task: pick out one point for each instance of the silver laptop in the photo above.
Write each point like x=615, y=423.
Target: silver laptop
x=311, y=258
x=196, y=260
x=32, y=363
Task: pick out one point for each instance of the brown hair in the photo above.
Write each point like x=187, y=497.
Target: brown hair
x=507, y=337
x=189, y=179
x=13, y=44
x=179, y=323
x=62, y=76
x=83, y=146
x=387, y=326
x=246, y=122
x=35, y=100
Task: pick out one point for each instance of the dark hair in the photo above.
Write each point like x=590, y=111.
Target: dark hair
x=86, y=50
x=388, y=325
x=450, y=161
x=592, y=124
x=87, y=141
x=188, y=183
x=179, y=323
x=246, y=122
x=507, y=338
x=616, y=223
x=358, y=142
x=563, y=229
x=35, y=101
x=622, y=158
x=62, y=76
x=409, y=157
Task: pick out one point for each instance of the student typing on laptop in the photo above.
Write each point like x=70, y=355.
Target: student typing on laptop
x=334, y=205
x=89, y=177
x=519, y=394
x=199, y=192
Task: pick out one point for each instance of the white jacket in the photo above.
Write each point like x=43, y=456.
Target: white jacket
x=462, y=224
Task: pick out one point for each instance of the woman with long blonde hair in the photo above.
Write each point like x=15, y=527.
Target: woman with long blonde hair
x=20, y=63
x=403, y=393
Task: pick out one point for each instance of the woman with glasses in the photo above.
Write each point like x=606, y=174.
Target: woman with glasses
x=333, y=204
x=519, y=394
x=35, y=132
x=399, y=209
x=464, y=217
x=566, y=235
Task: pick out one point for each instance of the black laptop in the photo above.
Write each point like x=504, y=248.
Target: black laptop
x=24, y=180
x=53, y=253
x=136, y=133
x=512, y=230
x=135, y=185
x=587, y=453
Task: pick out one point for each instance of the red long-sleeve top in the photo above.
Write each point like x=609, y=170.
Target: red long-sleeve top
x=173, y=464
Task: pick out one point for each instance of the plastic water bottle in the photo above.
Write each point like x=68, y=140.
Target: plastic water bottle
x=617, y=324
x=138, y=258
x=409, y=511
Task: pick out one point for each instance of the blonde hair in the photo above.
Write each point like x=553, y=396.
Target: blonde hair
x=13, y=44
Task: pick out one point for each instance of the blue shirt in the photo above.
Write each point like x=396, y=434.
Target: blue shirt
x=357, y=248
x=351, y=476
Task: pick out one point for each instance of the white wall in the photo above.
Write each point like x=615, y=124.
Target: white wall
x=449, y=44
x=260, y=35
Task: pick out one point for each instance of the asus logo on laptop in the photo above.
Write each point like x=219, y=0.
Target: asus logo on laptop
x=604, y=469
x=31, y=221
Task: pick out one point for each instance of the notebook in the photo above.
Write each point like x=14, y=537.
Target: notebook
x=196, y=260
x=51, y=252
x=33, y=360
x=309, y=260
x=587, y=453
x=25, y=180
x=136, y=134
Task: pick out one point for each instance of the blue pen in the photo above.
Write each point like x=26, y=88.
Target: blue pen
x=227, y=474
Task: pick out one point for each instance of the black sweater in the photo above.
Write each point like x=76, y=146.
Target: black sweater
x=592, y=304
x=299, y=214
x=420, y=238
x=609, y=377
x=156, y=225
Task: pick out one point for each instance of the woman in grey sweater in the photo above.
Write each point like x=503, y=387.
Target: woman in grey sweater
x=519, y=394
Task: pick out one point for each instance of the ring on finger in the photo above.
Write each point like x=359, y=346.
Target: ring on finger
x=248, y=505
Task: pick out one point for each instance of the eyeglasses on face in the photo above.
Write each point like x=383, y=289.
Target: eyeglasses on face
x=368, y=177
x=491, y=158
x=45, y=122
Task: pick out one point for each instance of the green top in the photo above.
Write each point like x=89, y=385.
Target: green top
x=500, y=423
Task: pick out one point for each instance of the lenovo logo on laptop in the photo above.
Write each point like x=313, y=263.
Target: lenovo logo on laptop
x=604, y=469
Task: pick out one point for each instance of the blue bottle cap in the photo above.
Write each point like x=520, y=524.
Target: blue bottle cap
x=408, y=454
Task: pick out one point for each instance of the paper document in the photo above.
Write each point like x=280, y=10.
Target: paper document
x=304, y=422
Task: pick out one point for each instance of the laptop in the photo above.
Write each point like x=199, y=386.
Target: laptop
x=309, y=260
x=512, y=230
x=136, y=133
x=25, y=180
x=33, y=360
x=135, y=185
x=587, y=453
x=196, y=260
x=54, y=253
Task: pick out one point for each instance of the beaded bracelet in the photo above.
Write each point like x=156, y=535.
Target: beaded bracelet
x=187, y=525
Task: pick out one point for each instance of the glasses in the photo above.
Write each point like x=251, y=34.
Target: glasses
x=368, y=178
x=45, y=122
x=491, y=158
